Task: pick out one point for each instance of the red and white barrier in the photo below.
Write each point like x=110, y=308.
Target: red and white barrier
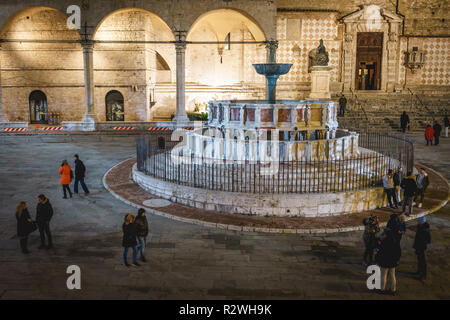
x=15, y=129
x=123, y=128
x=51, y=128
x=158, y=129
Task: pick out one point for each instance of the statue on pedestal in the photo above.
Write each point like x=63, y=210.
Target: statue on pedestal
x=318, y=56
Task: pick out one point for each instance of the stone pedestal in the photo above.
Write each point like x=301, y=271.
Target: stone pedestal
x=320, y=82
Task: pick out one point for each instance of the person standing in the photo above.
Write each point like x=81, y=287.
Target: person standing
x=371, y=229
x=44, y=213
x=429, y=134
x=342, y=105
x=422, y=181
x=398, y=178
x=437, y=132
x=446, y=125
x=23, y=226
x=388, y=256
x=421, y=240
x=129, y=239
x=404, y=121
x=410, y=189
x=80, y=174
x=142, y=232
x=388, y=185
x=66, y=178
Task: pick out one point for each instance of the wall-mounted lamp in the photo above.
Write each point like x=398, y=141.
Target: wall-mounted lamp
x=414, y=59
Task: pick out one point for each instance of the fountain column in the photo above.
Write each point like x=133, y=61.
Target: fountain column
x=180, y=48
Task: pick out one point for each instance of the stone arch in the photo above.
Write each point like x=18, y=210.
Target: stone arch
x=26, y=13
x=225, y=20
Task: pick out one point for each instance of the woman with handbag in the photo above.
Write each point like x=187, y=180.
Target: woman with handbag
x=66, y=178
x=24, y=225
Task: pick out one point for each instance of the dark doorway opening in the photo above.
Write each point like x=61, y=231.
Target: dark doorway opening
x=38, y=107
x=115, y=110
x=369, y=52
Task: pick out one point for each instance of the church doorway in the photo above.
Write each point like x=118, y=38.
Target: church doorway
x=114, y=106
x=369, y=52
x=38, y=107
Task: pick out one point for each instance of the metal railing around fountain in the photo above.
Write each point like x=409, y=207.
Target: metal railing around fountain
x=315, y=176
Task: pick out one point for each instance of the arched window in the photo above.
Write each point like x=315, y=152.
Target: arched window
x=114, y=106
x=38, y=107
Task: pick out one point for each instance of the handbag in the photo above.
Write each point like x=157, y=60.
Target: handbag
x=31, y=227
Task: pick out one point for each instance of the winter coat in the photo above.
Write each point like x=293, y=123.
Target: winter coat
x=343, y=102
x=389, y=252
x=398, y=178
x=404, y=120
x=423, y=237
x=388, y=182
x=44, y=212
x=425, y=182
x=429, y=133
x=437, y=129
x=446, y=122
x=141, y=226
x=409, y=186
x=22, y=223
x=129, y=235
x=64, y=171
x=80, y=169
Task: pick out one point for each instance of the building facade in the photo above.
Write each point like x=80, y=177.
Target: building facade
x=154, y=60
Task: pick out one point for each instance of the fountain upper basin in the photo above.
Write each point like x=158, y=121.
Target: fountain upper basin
x=272, y=69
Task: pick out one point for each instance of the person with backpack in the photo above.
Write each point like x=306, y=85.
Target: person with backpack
x=387, y=258
x=129, y=240
x=421, y=240
x=388, y=185
x=437, y=132
x=44, y=213
x=371, y=229
x=66, y=178
x=80, y=174
x=410, y=190
x=24, y=226
x=142, y=232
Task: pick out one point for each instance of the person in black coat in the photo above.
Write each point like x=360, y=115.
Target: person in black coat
x=44, y=213
x=421, y=240
x=129, y=239
x=437, y=132
x=80, y=174
x=409, y=186
x=142, y=231
x=342, y=105
x=23, y=225
x=388, y=256
x=404, y=121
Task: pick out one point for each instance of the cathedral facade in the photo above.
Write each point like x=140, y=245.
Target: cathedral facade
x=134, y=61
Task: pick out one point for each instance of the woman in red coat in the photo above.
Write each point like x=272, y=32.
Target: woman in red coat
x=66, y=178
x=429, y=134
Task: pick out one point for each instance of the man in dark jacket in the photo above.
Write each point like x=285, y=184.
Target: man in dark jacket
x=410, y=189
x=142, y=232
x=404, y=121
x=80, y=173
x=387, y=258
x=342, y=105
x=446, y=125
x=371, y=229
x=437, y=132
x=398, y=178
x=44, y=213
x=422, y=239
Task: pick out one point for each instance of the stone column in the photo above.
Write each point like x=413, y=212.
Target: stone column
x=88, y=59
x=180, y=48
x=2, y=116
